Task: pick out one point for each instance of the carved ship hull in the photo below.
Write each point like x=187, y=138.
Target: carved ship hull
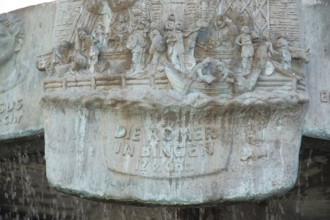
x=184, y=85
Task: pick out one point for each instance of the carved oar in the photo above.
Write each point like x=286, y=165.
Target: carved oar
x=287, y=72
x=187, y=87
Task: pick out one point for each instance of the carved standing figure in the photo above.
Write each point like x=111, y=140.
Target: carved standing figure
x=262, y=55
x=11, y=41
x=157, y=46
x=175, y=48
x=245, y=41
x=190, y=44
x=169, y=25
x=120, y=32
x=137, y=43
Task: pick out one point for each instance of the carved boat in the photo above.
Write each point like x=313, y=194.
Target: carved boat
x=180, y=82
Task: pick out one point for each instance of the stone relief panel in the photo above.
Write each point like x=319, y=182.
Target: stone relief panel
x=20, y=91
x=193, y=96
x=228, y=44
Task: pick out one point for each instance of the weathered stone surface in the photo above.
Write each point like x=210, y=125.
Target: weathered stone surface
x=24, y=35
x=193, y=147
x=314, y=17
x=161, y=102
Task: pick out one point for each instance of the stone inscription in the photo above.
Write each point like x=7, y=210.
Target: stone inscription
x=324, y=96
x=11, y=112
x=167, y=150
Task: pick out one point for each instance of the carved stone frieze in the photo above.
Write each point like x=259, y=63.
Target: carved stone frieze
x=174, y=102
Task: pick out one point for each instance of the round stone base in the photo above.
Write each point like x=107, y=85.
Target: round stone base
x=163, y=148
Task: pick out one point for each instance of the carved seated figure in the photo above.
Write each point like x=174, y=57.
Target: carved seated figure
x=288, y=52
x=87, y=49
x=82, y=50
x=223, y=32
x=61, y=59
x=210, y=70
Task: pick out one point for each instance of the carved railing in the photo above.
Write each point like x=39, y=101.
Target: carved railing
x=161, y=82
x=104, y=82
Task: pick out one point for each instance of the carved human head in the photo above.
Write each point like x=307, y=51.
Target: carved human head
x=122, y=19
x=282, y=42
x=179, y=26
x=245, y=29
x=11, y=36
x=220, y=20
x=98, y=32
x=171, y=17
x=82, y=34
x=64, y=47
x=221, y=67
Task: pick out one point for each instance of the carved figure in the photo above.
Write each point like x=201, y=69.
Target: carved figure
x=157, y=46
x=190, y=44
x=93, y=57
x=11, y=41
x=120, y=32
x=287, y=53
x=83, y=46
x=138, y=18
x=245, y=41
x=83, y=42
x=61, y=58
x=205, y=71
x=137, y=43
x=169, y=25
x=226, y=73
x=223, y=31
x=175, y=48
x=210, y=70
x=98, y=36
x=263, y=52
